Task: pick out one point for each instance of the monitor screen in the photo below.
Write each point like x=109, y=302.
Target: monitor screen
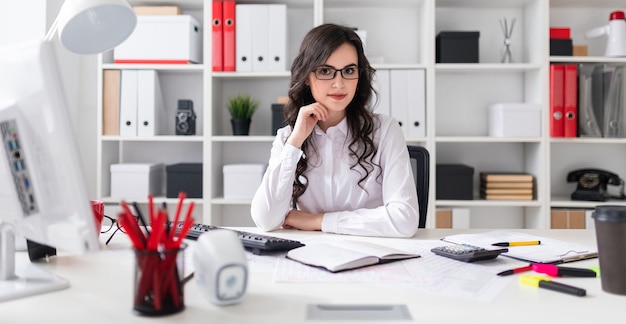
x=42, y=189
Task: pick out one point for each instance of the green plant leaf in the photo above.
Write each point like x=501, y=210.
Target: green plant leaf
x=242, y=106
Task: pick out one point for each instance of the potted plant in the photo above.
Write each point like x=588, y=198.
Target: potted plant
x=241, y=107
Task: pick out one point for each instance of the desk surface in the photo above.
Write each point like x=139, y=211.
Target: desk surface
x=101, y=292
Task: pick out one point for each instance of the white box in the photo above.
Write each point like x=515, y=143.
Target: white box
x=136, y=180
x=514, y=120
x=242, y=180
x=162, y=39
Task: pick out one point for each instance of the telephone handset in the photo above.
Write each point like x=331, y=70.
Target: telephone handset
x=592, y=184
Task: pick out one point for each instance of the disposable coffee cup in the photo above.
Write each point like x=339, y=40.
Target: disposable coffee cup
x=610, y=223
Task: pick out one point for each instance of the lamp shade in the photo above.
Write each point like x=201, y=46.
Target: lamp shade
x=95, y=26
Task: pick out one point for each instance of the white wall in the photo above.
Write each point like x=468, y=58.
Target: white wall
x=29, y=20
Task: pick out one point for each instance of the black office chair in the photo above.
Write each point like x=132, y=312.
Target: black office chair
x=420, y=162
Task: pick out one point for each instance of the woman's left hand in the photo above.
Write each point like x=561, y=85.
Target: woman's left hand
x=298, y=219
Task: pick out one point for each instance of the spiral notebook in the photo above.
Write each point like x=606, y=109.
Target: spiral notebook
x=549, y=251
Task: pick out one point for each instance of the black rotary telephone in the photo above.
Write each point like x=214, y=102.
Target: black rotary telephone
x=592, y=184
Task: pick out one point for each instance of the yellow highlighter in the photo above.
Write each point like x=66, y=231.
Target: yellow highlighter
x=544, y=282
x=520, y=243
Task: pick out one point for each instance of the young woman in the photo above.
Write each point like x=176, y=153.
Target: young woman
x=336, y=167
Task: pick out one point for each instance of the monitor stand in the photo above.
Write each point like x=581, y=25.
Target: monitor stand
x=23, y=280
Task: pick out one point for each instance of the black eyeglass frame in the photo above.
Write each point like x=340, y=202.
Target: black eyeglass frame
x=117, y=225
x=326, y=77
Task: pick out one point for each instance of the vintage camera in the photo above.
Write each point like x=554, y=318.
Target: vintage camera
x=185, y=118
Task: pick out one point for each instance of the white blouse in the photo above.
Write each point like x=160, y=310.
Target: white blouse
x=385, y=206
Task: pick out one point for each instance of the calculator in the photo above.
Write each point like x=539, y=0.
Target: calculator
x=467, y=253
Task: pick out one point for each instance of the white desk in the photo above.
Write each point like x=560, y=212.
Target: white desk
x=101, y=292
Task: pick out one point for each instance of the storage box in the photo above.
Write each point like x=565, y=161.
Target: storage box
x=278, y=120
x=185, y=177
x=242, y=180
x=514, y=120
x=457, y=47
x=561, y=47
x=454, y=181
x=136, y=180
x=162, y=39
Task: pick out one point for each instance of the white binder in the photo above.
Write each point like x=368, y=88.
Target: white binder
x=128, y=103
x=277, y=60
x=381, y=85
x=398, y=92
x=408, y=101
x=416, y=82
x=260, y=37
x=243, y=39
x=150, y=108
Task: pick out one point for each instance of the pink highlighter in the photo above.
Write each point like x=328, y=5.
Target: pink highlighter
x=554, y=271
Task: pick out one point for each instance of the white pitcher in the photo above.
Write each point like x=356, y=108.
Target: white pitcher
x=616, y=31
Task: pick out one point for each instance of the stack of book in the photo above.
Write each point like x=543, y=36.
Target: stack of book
x=506, y=186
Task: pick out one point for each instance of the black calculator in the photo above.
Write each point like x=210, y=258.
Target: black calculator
x=467, y=253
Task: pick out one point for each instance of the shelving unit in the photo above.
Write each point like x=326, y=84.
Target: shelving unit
x=400, y=35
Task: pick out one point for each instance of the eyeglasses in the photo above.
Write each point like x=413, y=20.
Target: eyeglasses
x=118, y=227
x=325, y=72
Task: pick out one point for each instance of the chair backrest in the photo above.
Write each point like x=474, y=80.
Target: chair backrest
x=420, y=162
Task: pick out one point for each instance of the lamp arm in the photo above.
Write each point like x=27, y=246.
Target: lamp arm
x=53, y=29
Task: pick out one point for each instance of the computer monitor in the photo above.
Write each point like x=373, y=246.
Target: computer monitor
x=43, y=194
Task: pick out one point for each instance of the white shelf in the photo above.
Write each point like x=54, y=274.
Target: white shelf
x=486, y=139
x=457, y=97
x=161, y=138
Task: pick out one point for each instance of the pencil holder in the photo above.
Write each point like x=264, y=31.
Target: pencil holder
x=158, y=281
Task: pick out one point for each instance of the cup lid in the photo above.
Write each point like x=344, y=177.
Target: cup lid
x=610, y=213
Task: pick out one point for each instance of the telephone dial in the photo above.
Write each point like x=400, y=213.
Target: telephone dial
x=592, y=184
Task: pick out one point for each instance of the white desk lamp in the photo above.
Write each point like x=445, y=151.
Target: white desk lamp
x=93, y=26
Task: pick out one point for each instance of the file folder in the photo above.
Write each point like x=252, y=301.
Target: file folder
x=277, y=37
x=150, y=108
x=243, y=41
x=111, y=102
x=128, y=103
x=217, y=35
x=613, y=102
x=229, y=22
x=557, y=126
x=260, y=38
x=589, y=100
x=570, y=100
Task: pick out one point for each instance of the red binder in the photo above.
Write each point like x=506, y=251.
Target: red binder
x=557, y=126
x=570, y=95
x=230, y=55
x=217, y=36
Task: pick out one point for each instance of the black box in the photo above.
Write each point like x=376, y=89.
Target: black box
x=457, y=47
x=185, y=177
x=561, y=47
x=454, y=181
x=278, y=120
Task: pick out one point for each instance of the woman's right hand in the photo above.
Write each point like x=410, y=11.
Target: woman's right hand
x=308, y=116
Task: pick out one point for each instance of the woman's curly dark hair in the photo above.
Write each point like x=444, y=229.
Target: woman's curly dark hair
x=316, y=47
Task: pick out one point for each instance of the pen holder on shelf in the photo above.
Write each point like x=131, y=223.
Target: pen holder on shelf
x=158, y=281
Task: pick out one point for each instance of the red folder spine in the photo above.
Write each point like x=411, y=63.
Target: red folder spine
x=556, y=101
x=230, y=55
x=570, y=95
x=217, y=36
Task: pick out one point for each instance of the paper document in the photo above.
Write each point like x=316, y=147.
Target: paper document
x=549, y=251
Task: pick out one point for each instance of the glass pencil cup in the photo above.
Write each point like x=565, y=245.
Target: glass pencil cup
x=158, y=282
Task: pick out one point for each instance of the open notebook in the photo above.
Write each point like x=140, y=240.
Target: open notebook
x=549, y=251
